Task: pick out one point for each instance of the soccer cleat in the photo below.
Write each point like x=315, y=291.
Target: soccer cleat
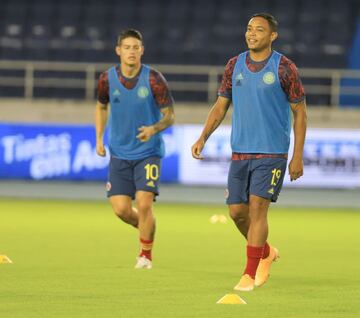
x=263, y=270
x=143, y=262
x=246, y=283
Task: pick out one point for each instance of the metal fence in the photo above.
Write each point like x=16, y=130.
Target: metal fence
x=31, y=80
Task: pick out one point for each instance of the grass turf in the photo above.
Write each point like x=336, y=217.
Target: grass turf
x=75, y=259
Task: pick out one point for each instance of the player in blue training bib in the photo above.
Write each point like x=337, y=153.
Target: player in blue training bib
x=264, y=88
x=141, y=107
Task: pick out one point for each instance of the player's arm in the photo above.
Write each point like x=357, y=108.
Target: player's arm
x=214, y=119
x=101, y=116
x=101, y=113
x=166, y=121
x=296, y=166
x=293, y=88
x=219, y=109
x=164, y=101
x=168, y=118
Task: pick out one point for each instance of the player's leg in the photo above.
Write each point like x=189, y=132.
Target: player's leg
x=238, y=194
x=238, y=201
x=260, y=254
x=146, y=179
x=122, y=206
x=121, y=190
x=240, y=215
x=144, y=202
x=258, y=229
x=267, y=184
x=257, y=235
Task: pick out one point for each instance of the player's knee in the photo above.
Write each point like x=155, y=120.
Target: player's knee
x=234, y=214
x=121, y=211
x=259, y=208
x=258, y=212
x=238, y=215
x=144, y=207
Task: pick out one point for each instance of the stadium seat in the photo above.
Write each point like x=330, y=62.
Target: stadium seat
x=207, y=32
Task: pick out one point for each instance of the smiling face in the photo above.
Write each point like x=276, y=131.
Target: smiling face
x=259, y=35
x=130, y=51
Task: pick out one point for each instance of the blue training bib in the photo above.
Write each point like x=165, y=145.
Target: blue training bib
x=261, y=121
x=131, y=109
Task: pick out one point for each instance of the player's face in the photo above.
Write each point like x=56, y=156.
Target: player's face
x=259, y=35
x=130, y=51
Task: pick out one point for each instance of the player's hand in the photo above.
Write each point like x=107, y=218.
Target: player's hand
x=100, y=149
x=145, y=133
x=296, y=168
x=196, y=149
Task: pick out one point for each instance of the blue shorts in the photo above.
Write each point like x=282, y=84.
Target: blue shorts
x=261, y=177
x=126, y=177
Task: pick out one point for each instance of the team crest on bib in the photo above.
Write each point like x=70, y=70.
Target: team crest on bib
x=269, y=78
x=143, y=92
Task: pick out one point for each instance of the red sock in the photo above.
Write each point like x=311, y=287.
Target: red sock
x=266, y=250
x=254, y=254
x=146, y=247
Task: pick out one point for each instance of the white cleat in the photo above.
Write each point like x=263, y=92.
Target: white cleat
x=143, y=262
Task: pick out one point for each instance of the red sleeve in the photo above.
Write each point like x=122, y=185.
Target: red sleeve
x=225, y=89
x=290, y=81
x=103, y=88
x=160, y=89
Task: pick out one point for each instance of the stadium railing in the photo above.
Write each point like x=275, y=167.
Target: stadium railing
x=323, y=86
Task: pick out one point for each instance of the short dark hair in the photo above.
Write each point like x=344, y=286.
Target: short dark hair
x=269, y=18
x=129, y=33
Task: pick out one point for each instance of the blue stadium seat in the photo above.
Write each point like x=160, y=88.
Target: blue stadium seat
x=10, y=53
x=187, y=31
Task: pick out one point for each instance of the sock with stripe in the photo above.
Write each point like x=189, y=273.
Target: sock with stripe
x=146, y=247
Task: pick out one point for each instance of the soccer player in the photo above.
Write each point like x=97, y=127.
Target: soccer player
x=263, y=86
x=141, y=106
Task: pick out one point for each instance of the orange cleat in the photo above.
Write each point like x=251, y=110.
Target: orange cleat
x=246, y=283
x=263, y=270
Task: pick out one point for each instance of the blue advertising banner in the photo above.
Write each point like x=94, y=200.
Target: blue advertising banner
x=67, y=152
x=63, y=152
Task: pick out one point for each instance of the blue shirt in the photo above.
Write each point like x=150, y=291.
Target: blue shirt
x=261, y=121
x=130, y=109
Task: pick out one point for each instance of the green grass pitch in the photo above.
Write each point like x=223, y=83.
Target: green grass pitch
x=75, y=259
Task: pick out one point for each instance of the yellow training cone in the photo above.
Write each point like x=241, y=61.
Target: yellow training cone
x=231, y=299
x=5, y=260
